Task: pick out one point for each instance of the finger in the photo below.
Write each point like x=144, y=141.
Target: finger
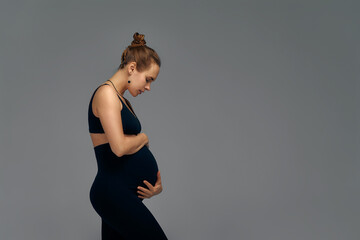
x=146, y=194
x=144, y=190
x=143, y=194
x=148, y=184
x=141, y=197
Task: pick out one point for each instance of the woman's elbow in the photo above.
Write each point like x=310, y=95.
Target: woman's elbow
x=118, y=151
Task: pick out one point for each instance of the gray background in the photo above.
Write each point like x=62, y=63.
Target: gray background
x=254, y=117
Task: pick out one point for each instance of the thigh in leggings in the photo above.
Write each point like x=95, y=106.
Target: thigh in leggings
x=129, y=218
x=108, y=233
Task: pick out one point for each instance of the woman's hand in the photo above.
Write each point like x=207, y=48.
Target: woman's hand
x=153, y=190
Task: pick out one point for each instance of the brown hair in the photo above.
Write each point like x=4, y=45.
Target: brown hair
x=138, y=52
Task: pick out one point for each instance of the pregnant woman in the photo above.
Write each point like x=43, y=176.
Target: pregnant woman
x=127, y=170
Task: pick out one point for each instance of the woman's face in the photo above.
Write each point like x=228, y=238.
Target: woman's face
x=142, y=81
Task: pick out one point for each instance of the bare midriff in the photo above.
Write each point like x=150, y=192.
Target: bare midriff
x=98, y=139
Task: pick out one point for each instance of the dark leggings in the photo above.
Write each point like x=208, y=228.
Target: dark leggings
x=138, y=223
x=114, y=195
x=109, y=233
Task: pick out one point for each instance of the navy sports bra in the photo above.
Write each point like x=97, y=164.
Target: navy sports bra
x=131, y=124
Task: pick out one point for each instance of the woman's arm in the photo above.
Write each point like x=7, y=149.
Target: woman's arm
x=134, y=143
x=109, y=108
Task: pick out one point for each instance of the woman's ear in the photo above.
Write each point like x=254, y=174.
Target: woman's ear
x=132, y=67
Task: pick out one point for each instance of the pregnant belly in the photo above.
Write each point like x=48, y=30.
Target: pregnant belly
x=130, y=170
x=138, y=167
x=118, y=177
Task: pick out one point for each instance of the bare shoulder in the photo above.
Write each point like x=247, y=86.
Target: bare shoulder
x=105, y=97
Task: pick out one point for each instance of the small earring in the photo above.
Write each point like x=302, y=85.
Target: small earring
x=129, y=81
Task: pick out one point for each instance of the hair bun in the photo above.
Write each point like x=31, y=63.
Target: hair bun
x=138, y=40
